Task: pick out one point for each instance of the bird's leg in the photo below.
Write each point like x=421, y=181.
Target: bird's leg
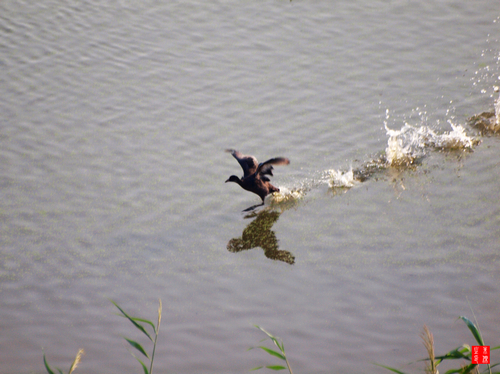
x=253, y=207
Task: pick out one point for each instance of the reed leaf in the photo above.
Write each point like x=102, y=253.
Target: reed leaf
x=276, y=367
x=273, y=338
x=455, y=354
x=264, y=331
x=131, y=319
x=492, y=366
x=143, y=320
x=136, y=346
x=271, y=352
x=144, y=367
x=473, y=329
x=463, y=370
x=47, y=367
x=257, y=368
x=281, y=346
x=391, y=369
x=277, y=344
x=453, y=371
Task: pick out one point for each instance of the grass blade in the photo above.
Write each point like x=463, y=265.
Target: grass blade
x=455, y=354
x=281, y=346
x=453, y=371
x=273, y=353
x=257, y=368
x=464, y=370
x=276, y=367
x=144, y=367
x=145, y=321
x=136, y=346
x=277, y=344
x=264, y=331
x=391, y=369
x=473, y=329
x=492, y=366
x=132, y=320
x=47, y=367
x=470, y=369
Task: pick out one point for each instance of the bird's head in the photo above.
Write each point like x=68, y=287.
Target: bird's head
x=233, y=178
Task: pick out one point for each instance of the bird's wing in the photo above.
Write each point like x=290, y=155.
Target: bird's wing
x=266, y=167
x=267, y=170
x=249, y=164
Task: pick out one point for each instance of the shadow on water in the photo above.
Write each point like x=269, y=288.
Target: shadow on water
x=258, y=233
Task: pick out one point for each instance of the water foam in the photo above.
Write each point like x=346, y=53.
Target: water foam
x=287, y=197
x=404, y=147
x=411, y=142
x=497, y=110
x=340, y=179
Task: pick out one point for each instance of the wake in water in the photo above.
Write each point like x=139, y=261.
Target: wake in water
x=405, y=148
x=410, y=143
x=488, y=123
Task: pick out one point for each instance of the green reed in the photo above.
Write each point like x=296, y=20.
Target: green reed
x=463, y=352
x=282, y=355
x=73, y=366
x=141, y=324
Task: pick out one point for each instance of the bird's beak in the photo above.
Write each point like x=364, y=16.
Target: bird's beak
x=226, y=181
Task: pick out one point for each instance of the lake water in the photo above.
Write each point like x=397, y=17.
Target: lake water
x=114, y=118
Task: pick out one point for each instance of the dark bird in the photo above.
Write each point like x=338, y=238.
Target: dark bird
x=254, y=174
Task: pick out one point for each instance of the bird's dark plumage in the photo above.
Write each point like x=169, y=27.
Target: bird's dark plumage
x=254, y=174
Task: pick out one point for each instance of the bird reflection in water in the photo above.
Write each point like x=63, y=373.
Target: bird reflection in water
x=259, y=234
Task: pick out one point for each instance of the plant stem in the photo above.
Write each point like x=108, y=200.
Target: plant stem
x=156, y=338
x=288, y=365
x=153, y=356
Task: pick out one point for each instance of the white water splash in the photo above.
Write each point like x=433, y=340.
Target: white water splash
x=410, y=142
x=455, y=139
x=404, y=145
x=497, y=110
x=286, y=196
x=340, y=179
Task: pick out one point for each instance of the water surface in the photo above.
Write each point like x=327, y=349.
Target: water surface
x=114, y=120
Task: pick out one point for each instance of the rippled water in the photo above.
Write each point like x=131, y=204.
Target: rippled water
x=113, y=123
